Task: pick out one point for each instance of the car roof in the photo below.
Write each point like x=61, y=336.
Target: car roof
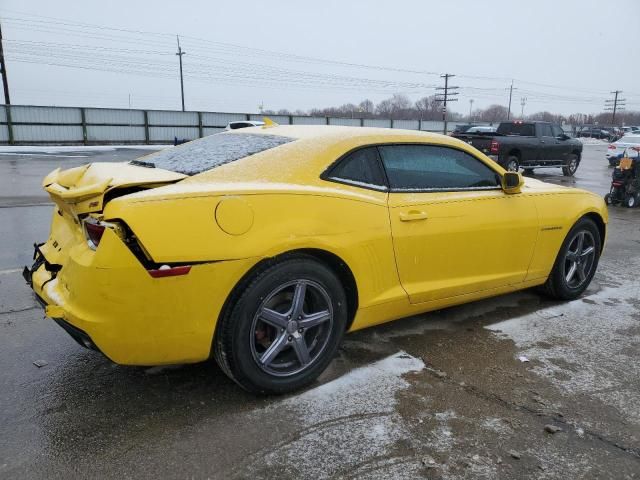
x=337, y=132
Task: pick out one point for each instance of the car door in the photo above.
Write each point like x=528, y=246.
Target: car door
x=547, y=143
x=562, y=147
x=454, y=229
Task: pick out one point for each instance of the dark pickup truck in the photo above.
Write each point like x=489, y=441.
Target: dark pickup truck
x=528, y=145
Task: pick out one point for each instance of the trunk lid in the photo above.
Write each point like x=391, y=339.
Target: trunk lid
x=86, y=189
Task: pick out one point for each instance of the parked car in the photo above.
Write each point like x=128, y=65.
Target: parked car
x=463, y=128
x=630, y=130
x=595, y=132
x=243, y=124
x=528, y=145
x=262, y=247
x=481, y=129
x=616, y=150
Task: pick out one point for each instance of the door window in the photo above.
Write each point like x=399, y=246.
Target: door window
x=557, y=131
x=546, y=130
x=427, y=167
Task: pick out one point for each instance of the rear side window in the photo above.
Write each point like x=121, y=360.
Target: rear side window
x=521, y=129
x=361, y=168
x=209, y=152
x=426, y=167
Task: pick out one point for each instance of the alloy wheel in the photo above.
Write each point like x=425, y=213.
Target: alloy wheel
x=291, y=328
x=579, y=259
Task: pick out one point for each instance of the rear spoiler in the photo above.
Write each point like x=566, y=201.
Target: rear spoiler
x=60, y=185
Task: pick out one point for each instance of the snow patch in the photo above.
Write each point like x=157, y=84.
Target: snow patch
x=356, y=410
x=592, y=141
x=577, y=345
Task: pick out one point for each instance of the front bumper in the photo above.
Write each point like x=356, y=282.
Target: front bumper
x=106, y=300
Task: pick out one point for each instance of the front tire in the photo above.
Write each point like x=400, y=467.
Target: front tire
x=572, y=165
x=284, y=328
x=576, y=262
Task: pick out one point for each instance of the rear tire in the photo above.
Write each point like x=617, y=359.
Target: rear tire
x=572, y=165
x=607, y=199
x=576, y=262
x=283, y=327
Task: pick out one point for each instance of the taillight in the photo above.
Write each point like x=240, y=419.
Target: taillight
x=493, y=148
x=94, y=233
x=94, y=230
x=167, y=271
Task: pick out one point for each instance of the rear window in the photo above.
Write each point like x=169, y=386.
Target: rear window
x=521, y=129
x=209, y=152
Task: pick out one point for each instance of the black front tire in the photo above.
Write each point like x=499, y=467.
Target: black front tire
x=235, y=350
x=557, y=286
x=572, y=165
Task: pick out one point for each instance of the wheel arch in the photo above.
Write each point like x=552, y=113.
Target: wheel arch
x=599, y=221
x=515, y=152
x=329, y=259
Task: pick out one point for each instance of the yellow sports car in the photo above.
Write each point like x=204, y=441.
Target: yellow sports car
x=263, y=246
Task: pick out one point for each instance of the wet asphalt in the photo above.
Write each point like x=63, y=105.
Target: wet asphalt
x=465, y=392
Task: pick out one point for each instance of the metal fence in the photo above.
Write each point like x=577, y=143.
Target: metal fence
x=30, y=124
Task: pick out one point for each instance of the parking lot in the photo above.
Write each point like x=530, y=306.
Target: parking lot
x=516, y=386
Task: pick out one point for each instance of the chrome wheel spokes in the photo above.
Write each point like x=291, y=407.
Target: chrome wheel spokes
x=579, y=259
x=291, y=327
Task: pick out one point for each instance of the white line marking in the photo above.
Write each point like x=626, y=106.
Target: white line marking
x=13, y=270
x=44, y=155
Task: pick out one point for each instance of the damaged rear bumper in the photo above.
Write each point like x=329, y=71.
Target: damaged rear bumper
x=107, y=301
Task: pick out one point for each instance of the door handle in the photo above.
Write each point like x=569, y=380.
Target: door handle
x=412, y=215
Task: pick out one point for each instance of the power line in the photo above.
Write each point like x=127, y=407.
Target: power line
x=249, y=51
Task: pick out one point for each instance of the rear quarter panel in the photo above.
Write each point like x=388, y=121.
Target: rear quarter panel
x=355, y=229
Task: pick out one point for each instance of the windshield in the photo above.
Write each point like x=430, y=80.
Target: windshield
x=521, y=129
x=209, y=152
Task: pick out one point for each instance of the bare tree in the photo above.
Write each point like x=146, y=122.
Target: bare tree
x=495, y=113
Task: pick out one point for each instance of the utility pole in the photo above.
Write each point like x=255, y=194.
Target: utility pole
x=180, y=54
x=510, y=95
x=523, y=101
x=470, y=108
x=614, y=105
x=3, y=66
x=444, y=97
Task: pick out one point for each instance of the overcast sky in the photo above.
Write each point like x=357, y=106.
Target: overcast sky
x=564, y=56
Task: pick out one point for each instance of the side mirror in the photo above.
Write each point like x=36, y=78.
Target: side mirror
x=563, y=136
x=512, y=182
